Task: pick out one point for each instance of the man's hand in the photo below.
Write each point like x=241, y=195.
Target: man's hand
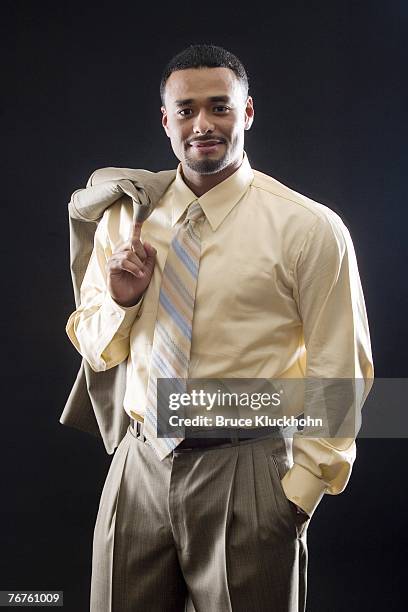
x=130, y=269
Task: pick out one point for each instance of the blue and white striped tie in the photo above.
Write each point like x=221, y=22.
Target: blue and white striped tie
x=170, y=355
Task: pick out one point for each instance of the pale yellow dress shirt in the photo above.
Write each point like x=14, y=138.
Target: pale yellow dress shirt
x=278, y=295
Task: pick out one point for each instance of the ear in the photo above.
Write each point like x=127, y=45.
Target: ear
x=164, y=120
x=249, y=113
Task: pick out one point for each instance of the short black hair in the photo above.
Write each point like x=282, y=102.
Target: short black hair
x=205, y=56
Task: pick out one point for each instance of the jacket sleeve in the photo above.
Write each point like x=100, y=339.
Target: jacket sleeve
x=100, y=328
x=331, y=304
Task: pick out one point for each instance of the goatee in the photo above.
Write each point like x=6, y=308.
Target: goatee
x=206, y=166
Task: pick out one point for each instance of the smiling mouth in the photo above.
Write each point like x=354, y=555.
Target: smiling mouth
x=208, y=146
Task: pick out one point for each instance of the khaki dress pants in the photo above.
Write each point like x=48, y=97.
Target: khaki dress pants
x=204, y=530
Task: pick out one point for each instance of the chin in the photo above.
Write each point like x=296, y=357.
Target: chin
x=206, y=165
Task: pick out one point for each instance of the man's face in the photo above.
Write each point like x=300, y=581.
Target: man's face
x=205, y=115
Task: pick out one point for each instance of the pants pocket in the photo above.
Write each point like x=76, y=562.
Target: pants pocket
x=281, y=466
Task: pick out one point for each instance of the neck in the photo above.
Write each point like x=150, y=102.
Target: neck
x=201, y=183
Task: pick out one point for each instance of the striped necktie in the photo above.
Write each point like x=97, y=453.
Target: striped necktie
x=170, y=355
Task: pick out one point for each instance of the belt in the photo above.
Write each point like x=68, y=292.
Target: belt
x=191, y=443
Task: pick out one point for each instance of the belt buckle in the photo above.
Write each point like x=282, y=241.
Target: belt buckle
x=205, y=442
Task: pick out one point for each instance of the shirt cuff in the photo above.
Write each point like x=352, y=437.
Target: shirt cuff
x=69, y=328
x=303, y=488
x=111, y=307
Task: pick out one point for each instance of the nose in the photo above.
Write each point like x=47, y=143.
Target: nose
x=202, y=124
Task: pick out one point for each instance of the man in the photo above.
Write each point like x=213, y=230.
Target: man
x=233, y=275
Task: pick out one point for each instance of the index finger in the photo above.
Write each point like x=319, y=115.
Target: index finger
x=136, y=231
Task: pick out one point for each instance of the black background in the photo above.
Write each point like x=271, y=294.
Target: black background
x=82, y=91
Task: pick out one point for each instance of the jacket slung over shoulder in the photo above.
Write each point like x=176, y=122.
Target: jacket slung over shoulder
x=95, y=403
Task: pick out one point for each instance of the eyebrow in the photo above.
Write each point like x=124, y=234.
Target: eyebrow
x=211, y=99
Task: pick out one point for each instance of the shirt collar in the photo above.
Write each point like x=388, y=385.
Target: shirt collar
x=218, y=201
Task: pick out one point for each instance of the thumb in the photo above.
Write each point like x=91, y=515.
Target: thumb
x=150, y=252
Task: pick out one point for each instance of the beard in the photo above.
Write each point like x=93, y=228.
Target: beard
x=207, y=165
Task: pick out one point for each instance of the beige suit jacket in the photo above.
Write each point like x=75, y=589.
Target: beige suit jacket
x=95, y=403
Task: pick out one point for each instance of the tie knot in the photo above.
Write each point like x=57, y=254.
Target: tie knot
x=194, y=211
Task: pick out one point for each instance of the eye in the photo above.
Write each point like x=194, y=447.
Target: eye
x=184, y=110
x=187, y=112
